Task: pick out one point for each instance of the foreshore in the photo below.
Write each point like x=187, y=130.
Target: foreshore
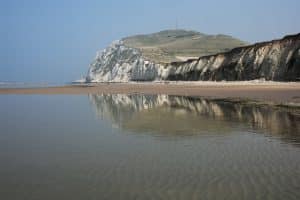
x=275, y=92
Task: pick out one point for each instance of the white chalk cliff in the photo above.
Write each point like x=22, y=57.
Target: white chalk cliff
x=277, y=60
x=119, y=63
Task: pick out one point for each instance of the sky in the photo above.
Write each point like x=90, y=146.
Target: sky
x=55, y=41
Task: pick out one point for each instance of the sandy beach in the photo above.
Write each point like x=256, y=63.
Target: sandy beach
x=279, y=93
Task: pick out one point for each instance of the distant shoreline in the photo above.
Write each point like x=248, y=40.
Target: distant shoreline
x=285, y=93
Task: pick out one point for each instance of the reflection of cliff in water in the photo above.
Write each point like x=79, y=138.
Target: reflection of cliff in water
x=177, y=115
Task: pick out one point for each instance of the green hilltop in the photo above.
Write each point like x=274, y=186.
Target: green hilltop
x=178, y=45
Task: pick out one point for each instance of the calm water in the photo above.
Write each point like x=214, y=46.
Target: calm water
x=146, y=147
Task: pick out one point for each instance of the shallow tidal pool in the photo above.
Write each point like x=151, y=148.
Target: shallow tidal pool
x=146, y=147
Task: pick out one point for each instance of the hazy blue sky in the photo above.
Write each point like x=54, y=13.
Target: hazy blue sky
x=55, y=40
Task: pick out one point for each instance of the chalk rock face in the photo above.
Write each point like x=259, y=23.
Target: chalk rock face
x=277, y=60
x=119, y=63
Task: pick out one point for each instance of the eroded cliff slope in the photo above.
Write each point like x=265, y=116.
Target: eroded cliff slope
x=277, y=60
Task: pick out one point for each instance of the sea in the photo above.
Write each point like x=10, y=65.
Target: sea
x=117, y=146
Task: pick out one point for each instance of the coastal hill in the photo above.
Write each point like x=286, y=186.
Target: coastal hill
x=179, y=45
x=190, y=56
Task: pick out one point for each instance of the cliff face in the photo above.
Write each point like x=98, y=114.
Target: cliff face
x=277, y=60
x=119, y=63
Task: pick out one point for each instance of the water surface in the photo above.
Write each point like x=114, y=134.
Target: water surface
x=146, y=147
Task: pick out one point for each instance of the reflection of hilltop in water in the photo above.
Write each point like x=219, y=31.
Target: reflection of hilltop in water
x=177, y=115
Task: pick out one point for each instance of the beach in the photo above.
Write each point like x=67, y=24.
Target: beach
x=287, y=93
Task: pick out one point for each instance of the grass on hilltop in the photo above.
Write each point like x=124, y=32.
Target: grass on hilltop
x=177, y=45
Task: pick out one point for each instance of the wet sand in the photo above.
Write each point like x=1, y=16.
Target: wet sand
x=279, y=93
